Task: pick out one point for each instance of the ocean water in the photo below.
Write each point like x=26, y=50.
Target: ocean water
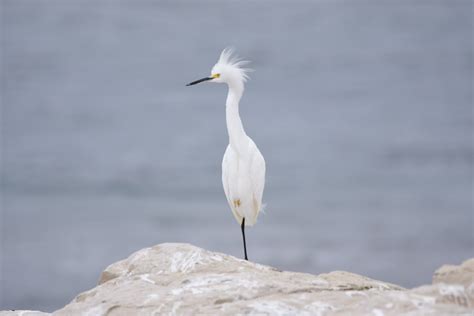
x=362, y=109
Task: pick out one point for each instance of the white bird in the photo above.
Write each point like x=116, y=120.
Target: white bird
x=243, y=166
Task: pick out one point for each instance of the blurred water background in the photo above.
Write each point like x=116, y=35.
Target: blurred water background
x=362, y=109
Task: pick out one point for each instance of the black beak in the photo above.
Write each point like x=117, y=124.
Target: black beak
x=199, y=81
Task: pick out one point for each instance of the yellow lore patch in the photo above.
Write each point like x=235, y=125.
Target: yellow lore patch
x=216, y=76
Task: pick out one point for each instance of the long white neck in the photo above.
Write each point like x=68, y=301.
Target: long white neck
x=237, y=137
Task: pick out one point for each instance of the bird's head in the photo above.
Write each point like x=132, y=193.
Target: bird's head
x=228, y=69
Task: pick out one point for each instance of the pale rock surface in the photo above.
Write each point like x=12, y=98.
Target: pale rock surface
x=451, y=274
x=23, y=313
x=180, y=279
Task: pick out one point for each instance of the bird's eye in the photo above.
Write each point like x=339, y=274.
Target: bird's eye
x=216, y=76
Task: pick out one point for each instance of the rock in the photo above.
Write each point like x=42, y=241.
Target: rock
x=182, y=279
x=451, y=274
x=22, y=313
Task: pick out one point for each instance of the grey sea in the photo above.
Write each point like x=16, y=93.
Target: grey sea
x=362, y=109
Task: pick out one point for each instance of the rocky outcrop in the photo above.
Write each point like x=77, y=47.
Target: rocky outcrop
x=451, y=274
x=180, y=279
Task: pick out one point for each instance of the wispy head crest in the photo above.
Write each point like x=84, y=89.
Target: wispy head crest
x=228, y=58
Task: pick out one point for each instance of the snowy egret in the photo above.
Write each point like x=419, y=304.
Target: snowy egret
x=243, y=166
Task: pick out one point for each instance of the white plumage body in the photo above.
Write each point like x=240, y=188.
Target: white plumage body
x=243, y=178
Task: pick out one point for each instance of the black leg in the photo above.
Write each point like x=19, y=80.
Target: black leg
x=243, y=235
